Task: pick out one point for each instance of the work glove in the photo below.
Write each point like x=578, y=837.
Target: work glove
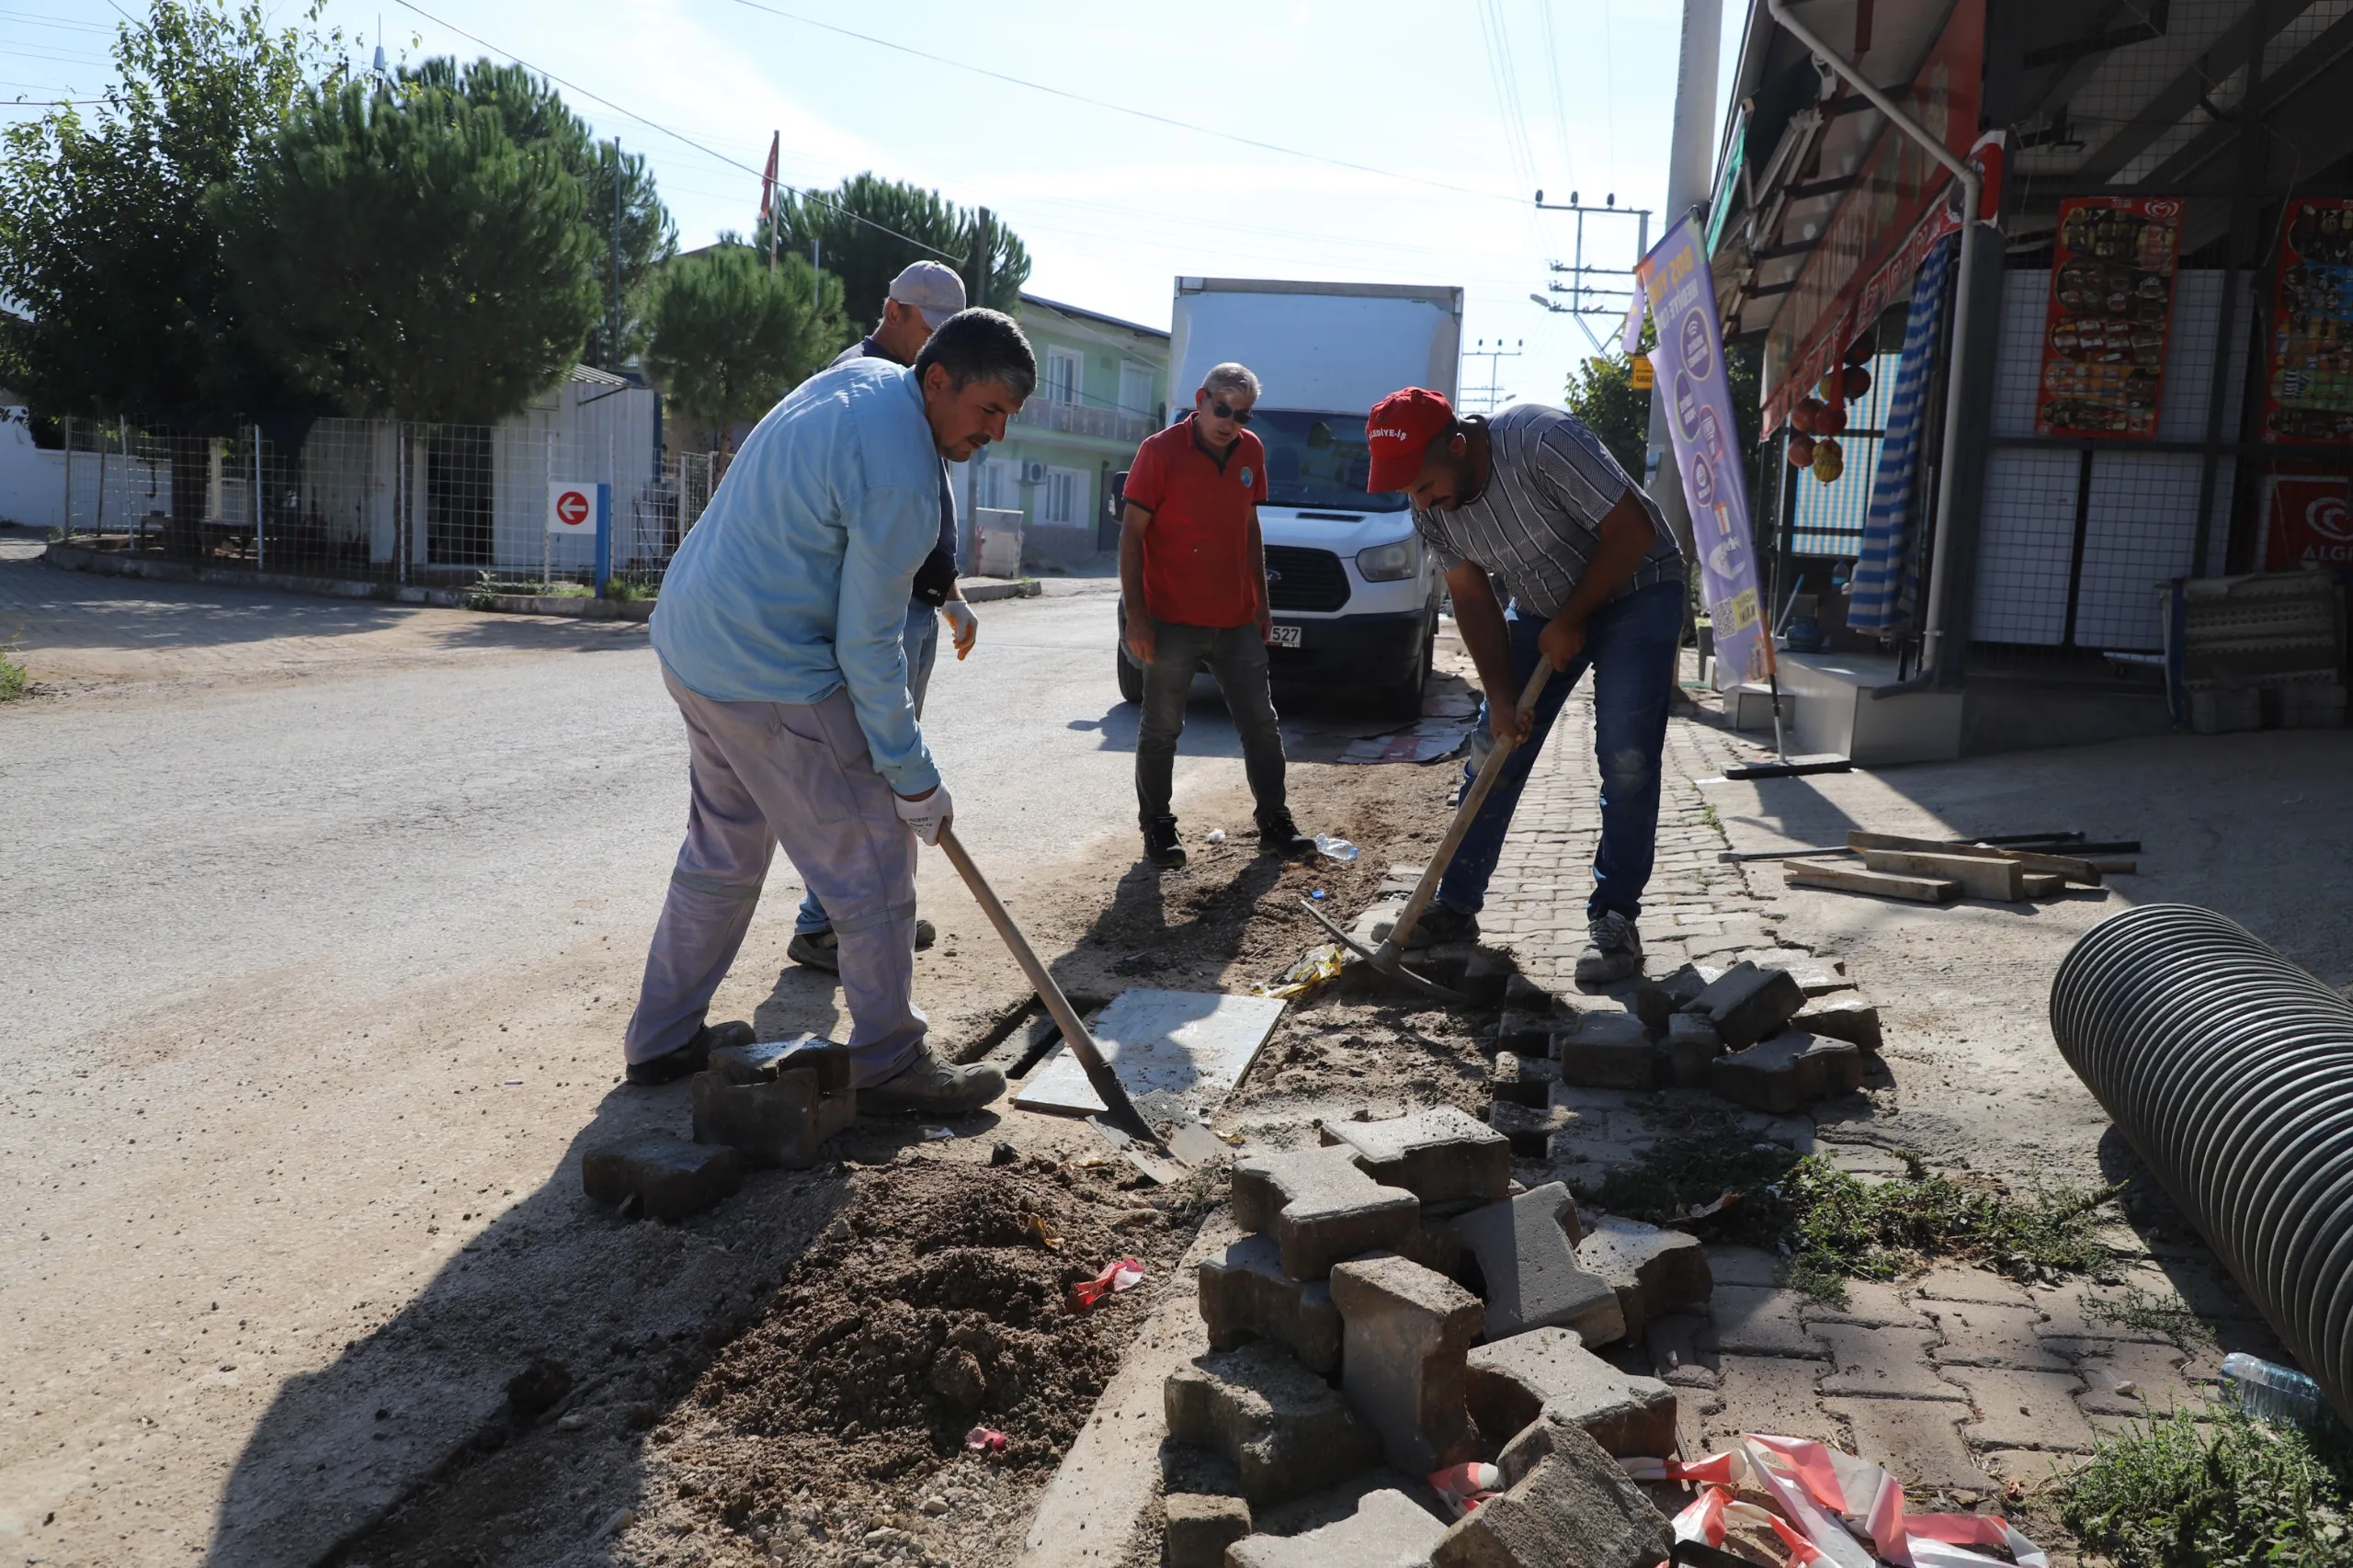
x=963, y=626
x=928, y=815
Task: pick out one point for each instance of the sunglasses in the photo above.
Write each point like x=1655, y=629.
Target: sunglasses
x=1227, y=410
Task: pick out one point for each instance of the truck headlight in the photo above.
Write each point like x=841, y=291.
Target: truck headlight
x=1389, y=562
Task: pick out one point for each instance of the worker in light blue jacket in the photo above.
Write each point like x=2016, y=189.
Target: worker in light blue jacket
x=781, y=634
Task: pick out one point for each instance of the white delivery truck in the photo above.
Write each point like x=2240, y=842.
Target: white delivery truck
x=1355, y=594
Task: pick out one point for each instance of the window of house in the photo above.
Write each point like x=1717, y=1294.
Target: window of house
x=1063, y=498
x=1135, y=387
x=1065, y=376
x=996, y=482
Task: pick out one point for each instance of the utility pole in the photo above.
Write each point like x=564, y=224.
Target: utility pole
x=1585, y=298
x=1495, y=357
x=983, y=244
x=613, y=331
x=1688, y=167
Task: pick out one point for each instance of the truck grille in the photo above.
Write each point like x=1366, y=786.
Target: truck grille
x=1305, y=579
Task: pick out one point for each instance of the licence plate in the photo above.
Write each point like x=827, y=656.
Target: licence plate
x=1285, y=637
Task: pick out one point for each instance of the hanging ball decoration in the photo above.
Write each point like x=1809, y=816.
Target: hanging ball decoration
x=1801, y=451
x=1829, y=462
x=1859, y=352
x=1859, y=380
x=1832, y=388
x=1802, y=416
x=1831, y=421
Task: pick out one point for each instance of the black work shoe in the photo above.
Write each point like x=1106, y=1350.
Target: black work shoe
x=1160, y=845
x=691, y=1057
x=1616, y=952
x=1277, y=835
x=1441, y=924
x=926, y=935
x=934, y=1087
x=818, y=949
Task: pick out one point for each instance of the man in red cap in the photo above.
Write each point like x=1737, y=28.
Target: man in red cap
x=1594, y=580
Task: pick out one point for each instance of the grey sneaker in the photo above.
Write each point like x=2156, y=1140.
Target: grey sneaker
x=933, y=1087
x=1616, y=953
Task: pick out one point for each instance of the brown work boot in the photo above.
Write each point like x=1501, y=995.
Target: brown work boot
x=930, y=1086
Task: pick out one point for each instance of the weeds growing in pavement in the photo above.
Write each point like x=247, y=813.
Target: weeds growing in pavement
x=622, y=588
x=1831, y=1227
x=2214, y=1488
x=2149, y=1312
x=15, y=682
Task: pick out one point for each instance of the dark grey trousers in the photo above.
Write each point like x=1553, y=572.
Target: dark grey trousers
x=1238, y=660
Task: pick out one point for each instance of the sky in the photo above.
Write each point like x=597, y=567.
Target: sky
x=1395, y=143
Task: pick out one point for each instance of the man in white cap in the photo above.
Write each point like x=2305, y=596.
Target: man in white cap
x=922, y=296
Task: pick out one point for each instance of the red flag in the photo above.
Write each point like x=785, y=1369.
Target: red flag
x=768, y=180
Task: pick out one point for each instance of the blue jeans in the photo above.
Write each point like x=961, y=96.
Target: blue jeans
x=1630, y=644
x=922, y=646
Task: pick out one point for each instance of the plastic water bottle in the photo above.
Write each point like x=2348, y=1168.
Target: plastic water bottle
x=1336, y=849
x=2271, y=1392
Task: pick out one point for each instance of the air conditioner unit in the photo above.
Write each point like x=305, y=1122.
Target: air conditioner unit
x=1033, y=473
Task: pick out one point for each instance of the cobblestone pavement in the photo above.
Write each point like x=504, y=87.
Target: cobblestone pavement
x=1960, y=1382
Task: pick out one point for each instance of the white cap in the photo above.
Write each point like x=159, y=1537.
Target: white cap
x=931, y=289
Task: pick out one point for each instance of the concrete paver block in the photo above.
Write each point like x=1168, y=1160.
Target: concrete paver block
x=1526, y=1079
x=1657, y=1000
x=2065, y=1308
x=1439, y=1155
x=1201, y=1527
x=1756, y=1319
x=2031, y=1470
x=1871, y=1303
x=1652, y=1270
x=2023, y=1410
x=1321, y=1207
x=2136, y=1380
x=760, y=1064
x=1743, y=1265
x=1844, y=1016
x=1746, y=1004
x=1882, y=1363
x=1606, y=1050
x=1956, y=1282
x=1768, y=1393
x=1691, y=1045
x=1509, y=1383
x=1673, y=1341
x=1787, y=1073
x=1567, y=1502
x=1389, y=1530
x=1487, y=977
x=1529, y=1128
x=670, y=1178
x=1407, y=1330
x=1815, y=976
x=1280, y=1425
x=1916, y=1441
x=1526, y=1031
x=1977, y=1333
x=1527, y=1251
x=1245, y=1295
x=778, y=1120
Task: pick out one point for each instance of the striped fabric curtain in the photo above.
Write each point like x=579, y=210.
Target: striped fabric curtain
x=1877, y=599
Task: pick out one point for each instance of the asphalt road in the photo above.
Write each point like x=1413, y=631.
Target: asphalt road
x=324, y=927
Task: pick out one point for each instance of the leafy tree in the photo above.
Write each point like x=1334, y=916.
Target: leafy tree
x=856, y=227
x=729, y=336
x=105, y=242
x=402, y=257
x=535, y=115
x=1601, y=392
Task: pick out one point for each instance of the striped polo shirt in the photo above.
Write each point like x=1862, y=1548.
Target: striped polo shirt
x=1539, y=521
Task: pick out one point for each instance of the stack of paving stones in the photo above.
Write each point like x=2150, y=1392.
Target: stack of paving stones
x=1400, y=1306
x=767, y=1104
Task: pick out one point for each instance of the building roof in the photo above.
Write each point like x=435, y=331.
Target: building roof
x=1085, y=315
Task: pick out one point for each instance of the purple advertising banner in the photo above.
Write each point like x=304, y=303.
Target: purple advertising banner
x=1690, y=363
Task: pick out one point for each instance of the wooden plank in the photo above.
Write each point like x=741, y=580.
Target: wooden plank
x=2043, y=884
x=2076, y=870
x=1181, y=1050
x=2113, y=867
x=1846, y=878
x=2083, y=873
x=1978, y=877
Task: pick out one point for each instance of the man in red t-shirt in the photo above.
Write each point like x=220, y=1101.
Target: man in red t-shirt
x=1193, y=583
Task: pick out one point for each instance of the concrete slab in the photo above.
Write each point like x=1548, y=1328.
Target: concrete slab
x=1440, y=1155
x=669, y=1177
x=1407, y=1331
x=1509, y=1383
x=1389, y=1530
x=1189, y=1046
x=1527, y=1251
x=1277, y=1423
x=1246, y=1295
x=1321, y=1207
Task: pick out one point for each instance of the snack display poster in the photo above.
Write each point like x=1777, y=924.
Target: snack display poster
x=2307, y=397
x=2111, y=310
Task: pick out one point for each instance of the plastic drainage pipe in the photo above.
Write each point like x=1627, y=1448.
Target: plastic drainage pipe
x=2230, y=1070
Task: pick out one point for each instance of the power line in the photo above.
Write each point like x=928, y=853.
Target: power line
x=1121, y=109
x=804, y=194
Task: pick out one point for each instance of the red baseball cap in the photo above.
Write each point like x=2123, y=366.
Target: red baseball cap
x=1399, y=431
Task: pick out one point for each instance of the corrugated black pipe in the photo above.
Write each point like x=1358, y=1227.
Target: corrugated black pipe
x=2231, y=1072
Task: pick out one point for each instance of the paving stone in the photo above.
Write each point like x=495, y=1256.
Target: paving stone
x=1691, y=1044
x=1815, y=976
x=1606, y=1050
x=761, y=1063
x=1673, y=1343
x=1652, y=1270
x=1882, y=1363
x=1525, y=1080
x=779, y=1120
x=1529, y=1129
x=1746, y=1004
x=2031, y=1470
x=1524, y=1030
x=1246, y=1295
x=2068, y=1320
x=1655, y=1000
x=2137, y=1379
x=1868, y=1302
x=1285, y=1430
x=670, y=1178
x=1566, y=1502
x=1766, y=1393
x=1521, y=991
x=1788, y=1071
x=1528, y=1260
x=1407, y=1330
x=1509, y=1383
x=1751, y=1320
x=1321, y=1208
x=1914, y=1440
x=1951, y=1282
x=1201, y=1527
x=1843, y=1016
x=1389, y=1530
x=1743, y=1265
x=1977, y=1333
x=1438, y=1155
x=1487, y=976
x=2023, y=1410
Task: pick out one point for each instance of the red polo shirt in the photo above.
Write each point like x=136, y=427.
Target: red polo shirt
x=1197, y=551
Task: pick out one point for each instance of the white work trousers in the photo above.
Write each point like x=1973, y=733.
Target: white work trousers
x=761, y=774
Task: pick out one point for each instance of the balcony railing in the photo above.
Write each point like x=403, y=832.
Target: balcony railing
x=1083, y=419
